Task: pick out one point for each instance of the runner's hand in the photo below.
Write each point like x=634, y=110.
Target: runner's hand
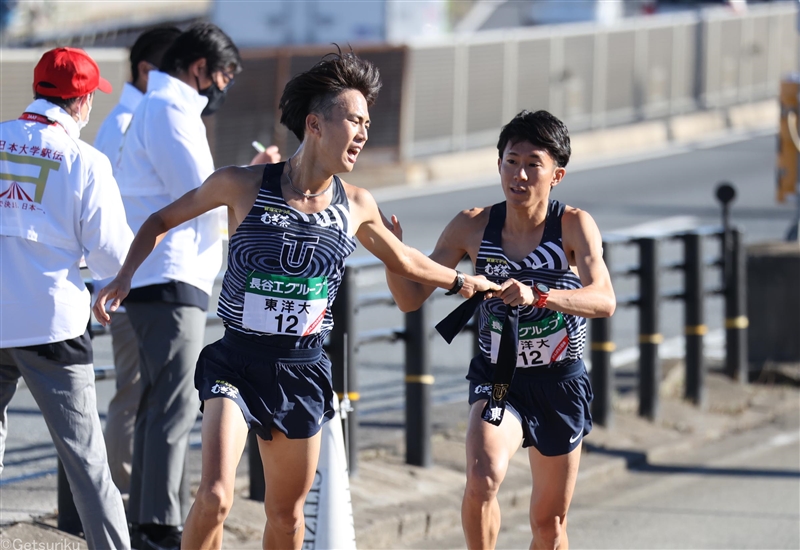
x=113, y=293
x=396, y=228
x=514, y=293
x=476, y=283
x=392, y=225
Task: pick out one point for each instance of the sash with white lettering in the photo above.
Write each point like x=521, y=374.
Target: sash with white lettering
x=540, y=342
x=504, y=368
x=292, y=306
x=506, y=357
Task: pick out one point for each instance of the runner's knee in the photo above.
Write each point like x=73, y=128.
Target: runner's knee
x=547, y=529
x=213, y=502
x=285, y=519
x=483, y=480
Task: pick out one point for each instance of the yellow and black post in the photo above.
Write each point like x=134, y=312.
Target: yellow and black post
x=736, y=321
x=649, y=336
x=343, y=342
x=695, y=328
x=419, y=382
x=68, y=519
x=602, y=374
x=258, y=485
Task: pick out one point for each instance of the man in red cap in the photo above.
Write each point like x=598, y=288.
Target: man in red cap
x=59, y=202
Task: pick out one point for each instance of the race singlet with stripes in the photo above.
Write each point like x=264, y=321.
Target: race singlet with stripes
x=285, y=267
x=546, y=338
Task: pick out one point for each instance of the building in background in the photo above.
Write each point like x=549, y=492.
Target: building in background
x=288, y=22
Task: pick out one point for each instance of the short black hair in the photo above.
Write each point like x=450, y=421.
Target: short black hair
x=317, y=89
x=65, y=104
x=151, y=46
x=540, y=129
x=202, y=40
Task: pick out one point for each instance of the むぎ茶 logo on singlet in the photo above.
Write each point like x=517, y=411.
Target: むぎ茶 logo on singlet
x=27, y=175
x=496, y=268
x=276, y=216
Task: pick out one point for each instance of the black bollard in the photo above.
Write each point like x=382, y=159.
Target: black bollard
x=725, y=195
x=602, y=373
x=257, y=482
x=649, y=336
x=694, y=324
x=68, y=519
x=736, y=321
x=418, y=388
x=343, y=360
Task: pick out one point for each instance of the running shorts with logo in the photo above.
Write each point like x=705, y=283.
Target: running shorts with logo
x=552, y=404
x=287, y=389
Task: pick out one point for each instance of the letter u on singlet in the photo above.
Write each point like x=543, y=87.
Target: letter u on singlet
x=297, y=252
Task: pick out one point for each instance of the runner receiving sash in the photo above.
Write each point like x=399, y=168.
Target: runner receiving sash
x=529, y=245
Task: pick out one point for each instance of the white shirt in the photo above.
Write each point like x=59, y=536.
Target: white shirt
x=165, y=155
x=112, y=130
x=60, y=203
x=109, y=141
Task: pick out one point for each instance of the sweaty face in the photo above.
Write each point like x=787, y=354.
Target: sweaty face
x=527, y=173
x=345, y=131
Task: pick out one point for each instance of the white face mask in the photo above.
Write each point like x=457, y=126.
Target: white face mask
x=81, y=122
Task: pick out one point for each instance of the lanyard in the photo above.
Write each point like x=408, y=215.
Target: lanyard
x=35, y=117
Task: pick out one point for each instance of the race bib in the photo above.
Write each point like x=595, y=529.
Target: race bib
x=540, y=343
x=292, y=306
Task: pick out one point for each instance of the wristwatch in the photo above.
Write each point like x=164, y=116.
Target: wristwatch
x=542, y=291
x=457, y=284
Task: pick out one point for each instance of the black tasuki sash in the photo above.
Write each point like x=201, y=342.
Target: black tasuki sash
x=506, y=356
x=457, y=319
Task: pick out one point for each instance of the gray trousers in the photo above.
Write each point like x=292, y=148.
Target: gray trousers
x=170, y=339
x=66, y=396
x=122, y=407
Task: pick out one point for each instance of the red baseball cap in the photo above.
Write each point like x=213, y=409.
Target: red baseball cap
x=68, y=73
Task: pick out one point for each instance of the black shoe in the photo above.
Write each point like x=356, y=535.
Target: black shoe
x=166, y=539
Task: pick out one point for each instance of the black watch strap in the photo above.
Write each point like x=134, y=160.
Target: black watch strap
x=457, y=284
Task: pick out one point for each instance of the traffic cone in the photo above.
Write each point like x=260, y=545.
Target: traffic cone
x=328, y=510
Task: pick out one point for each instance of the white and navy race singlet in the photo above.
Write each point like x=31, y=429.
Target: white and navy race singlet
x=547, y=338
x=285, y=267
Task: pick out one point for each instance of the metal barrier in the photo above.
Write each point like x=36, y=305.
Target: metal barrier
x=344, y=342
x=733, y=288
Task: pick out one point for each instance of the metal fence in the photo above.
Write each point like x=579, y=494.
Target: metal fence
x=461, y=90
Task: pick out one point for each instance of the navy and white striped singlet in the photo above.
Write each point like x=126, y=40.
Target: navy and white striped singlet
x=276, y=239
x=547, y=264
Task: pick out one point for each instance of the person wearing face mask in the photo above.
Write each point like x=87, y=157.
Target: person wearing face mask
x=145, y=55
x=165, y=154
x=60, y=202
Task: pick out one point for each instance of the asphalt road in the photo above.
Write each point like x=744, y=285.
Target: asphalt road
x=736, y=493
x=672, y=191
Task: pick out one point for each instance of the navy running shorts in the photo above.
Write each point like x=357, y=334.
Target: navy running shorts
x=552, y=404
x=290, y=389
